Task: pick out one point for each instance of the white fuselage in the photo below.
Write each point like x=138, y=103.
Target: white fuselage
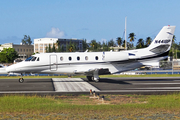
x=81, y=62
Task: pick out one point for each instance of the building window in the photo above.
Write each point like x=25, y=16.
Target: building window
x=26, y=50
x=96, y=57
x=70, y=58
x=78, y=58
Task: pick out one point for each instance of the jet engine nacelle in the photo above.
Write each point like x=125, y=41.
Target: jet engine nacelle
x=115, y=56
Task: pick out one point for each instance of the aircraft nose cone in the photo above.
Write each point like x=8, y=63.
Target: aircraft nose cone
x=3, y=70
x=10, y=68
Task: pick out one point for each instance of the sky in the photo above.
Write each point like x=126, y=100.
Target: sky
x=101, y=20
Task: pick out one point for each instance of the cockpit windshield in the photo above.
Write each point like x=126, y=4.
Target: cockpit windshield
x=32, y=58
x=29, y=58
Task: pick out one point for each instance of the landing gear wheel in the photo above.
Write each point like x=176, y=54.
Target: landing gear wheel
x=90, y=78
x=21, y=80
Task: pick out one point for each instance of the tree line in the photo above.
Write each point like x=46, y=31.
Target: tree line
x=95, y=46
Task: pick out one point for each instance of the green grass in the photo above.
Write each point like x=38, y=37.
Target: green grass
x=82, y=107
x=101, y=76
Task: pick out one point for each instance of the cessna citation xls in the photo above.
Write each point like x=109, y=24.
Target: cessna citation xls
x=93, y=64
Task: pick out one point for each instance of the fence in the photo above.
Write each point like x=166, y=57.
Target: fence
x=165, y=67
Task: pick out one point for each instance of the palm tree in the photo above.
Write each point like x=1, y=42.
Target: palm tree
x=123, y=44
x=53, y=48
x=174, y=38
x=71, y=47
x=85, y=45
x=132, y=37
x=58, y=43
x=140, y=43
x=129, y=46
x=93, y=45
x=119, y=41
x=111, y=43
x=173, y=46
x=105, y=46
x=148, y=41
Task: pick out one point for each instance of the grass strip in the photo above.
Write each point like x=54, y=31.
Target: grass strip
x=101, y=76
x=80, y=107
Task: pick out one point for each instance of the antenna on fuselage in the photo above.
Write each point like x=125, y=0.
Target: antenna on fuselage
x=86, y=50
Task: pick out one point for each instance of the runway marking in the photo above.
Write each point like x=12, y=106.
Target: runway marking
x=72, y=85
x=155, y=83
x=136, y=91
x=158, y=88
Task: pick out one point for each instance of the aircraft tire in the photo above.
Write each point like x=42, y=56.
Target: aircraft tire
x=21, y=80
x=90, y=78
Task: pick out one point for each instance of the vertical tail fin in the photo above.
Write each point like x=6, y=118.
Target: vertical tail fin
x=162, y=42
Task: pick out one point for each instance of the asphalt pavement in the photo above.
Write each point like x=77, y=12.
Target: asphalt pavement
x=136, y=85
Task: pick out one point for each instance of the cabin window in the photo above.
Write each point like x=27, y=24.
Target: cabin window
x=96, y=57
x=78, y=58
x=61, y=58
x=38, y=59
x=70, y=58
x=86, y=58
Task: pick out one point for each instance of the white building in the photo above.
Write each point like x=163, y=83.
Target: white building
x=41, y=43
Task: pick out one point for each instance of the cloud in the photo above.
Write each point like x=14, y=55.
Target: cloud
x=55, y=33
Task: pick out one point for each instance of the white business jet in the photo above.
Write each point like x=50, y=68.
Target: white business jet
x=93, y=64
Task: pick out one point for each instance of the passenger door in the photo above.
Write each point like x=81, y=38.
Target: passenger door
x=53, y=62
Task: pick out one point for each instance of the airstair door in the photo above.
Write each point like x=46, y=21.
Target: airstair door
x=53, y=62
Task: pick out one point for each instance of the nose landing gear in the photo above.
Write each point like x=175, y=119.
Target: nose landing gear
x=21, y=80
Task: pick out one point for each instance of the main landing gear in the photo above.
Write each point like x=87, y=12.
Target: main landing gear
x=21, y=80
x=92, y=78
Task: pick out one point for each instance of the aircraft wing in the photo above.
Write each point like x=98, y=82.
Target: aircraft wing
x=101, y=71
